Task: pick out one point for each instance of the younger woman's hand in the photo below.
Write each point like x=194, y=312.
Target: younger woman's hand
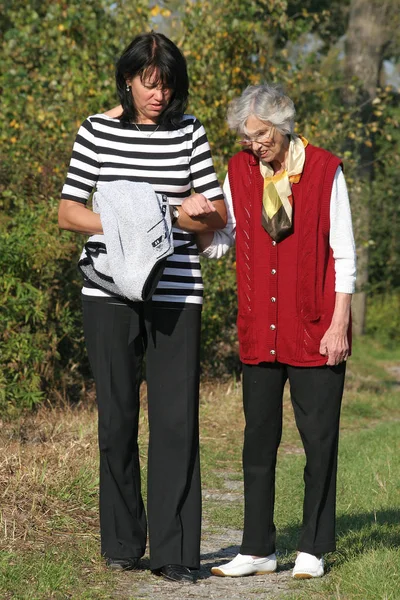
x=197, y=205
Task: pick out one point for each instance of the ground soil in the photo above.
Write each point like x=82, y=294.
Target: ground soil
x=216, y=547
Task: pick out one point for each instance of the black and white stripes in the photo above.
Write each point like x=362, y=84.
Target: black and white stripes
x=173, y=161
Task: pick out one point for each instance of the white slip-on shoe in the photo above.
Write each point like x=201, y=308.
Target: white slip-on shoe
x=243, y=565
x=307, y=566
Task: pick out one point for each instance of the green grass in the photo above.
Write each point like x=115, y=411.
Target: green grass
x=369, y=469
x=366, y=565
x=370, y=357
x=372, y=574
x=49, y=543
x=57, y=573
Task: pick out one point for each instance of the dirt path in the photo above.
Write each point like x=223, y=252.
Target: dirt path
x=215, y=548
x=218, y=545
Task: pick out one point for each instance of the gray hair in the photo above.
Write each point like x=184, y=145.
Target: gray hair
x=267, y=102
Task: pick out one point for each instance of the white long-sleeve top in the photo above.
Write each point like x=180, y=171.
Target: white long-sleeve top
x=341, y=238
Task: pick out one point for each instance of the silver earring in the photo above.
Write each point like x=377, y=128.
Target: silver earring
x=128, y=87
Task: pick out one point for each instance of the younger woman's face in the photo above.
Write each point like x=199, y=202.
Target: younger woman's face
x=150, y=98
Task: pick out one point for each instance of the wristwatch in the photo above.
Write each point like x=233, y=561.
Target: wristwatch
x=174, y=214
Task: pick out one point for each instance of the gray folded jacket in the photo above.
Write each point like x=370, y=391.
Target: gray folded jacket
x=128, y=260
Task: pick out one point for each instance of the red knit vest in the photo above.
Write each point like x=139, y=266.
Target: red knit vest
x=286, y=290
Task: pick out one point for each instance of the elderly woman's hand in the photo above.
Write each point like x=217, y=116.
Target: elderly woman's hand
x=197, y=205
x=335, y=344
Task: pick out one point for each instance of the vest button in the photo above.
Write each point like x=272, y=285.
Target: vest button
x=273, y=327
x=274, y=243
x=272, y=352
x=273, y=271
x=273, y=299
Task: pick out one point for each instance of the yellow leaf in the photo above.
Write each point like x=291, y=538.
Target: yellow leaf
x=155, y=10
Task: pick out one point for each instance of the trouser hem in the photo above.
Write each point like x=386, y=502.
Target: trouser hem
x=117, y=555
x=253, y=551
x=319, y=549
x=156, y=565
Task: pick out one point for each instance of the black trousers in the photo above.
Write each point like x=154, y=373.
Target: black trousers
x=118, y=337
x=316, y=394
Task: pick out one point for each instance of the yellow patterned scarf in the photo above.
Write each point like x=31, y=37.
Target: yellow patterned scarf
x=277, y=208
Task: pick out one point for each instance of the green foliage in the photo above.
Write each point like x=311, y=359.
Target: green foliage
x=384, y=245
x=384, y=318
x=58, y=67
x=238, y=44
x=219, y=348
x=329, y=16
x=39, y=316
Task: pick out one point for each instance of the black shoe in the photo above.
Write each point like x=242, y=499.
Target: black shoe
x=176, y=573
x=122, y=564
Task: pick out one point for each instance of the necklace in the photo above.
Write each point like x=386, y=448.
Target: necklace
x=146, y=134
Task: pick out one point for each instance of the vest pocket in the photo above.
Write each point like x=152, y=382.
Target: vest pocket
x=312, y=335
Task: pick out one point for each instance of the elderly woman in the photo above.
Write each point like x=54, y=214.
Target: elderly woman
x=291, y=218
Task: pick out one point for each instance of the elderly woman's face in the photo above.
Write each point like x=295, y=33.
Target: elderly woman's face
x=265, y=141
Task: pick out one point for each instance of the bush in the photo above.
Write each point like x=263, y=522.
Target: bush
x=383, y=318
x=42, y=353
x=40, y=339
x=219, y=353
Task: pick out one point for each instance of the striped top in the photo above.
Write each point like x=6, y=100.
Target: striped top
x=173, y=160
